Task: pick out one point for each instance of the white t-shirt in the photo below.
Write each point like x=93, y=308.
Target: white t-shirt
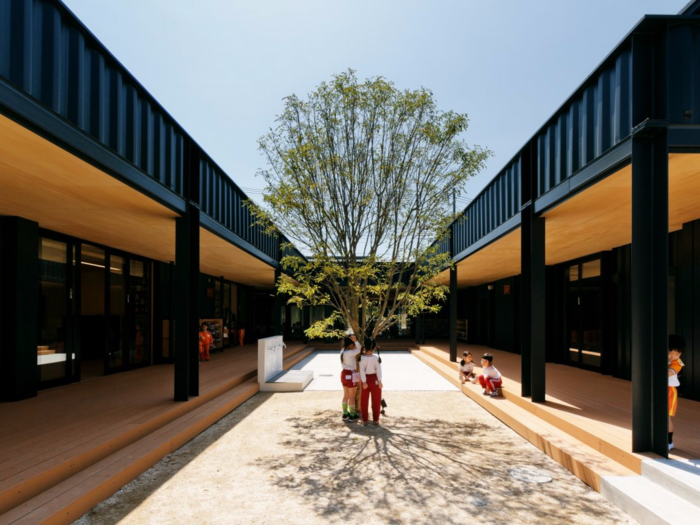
x=348, y=358
x=490, y=371
x=466, y=368
x=369, y=364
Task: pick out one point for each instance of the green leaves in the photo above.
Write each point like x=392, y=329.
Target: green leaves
x=360, y=177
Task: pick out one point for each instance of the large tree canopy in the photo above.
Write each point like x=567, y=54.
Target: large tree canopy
x=360, y=178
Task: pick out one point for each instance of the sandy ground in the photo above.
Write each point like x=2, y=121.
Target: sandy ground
x=290, y=459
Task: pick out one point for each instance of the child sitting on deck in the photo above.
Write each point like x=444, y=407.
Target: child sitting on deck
x=466, y=368
x=490, y=378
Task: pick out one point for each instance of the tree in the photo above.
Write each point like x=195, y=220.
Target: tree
x=360, y=178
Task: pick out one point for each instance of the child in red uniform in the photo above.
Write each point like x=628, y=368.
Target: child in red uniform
x=205, y=339
x=371, y=376
x=490, y=378
x=675, y=349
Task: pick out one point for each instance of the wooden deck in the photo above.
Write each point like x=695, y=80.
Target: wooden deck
x=594, y=408
x=50, y=439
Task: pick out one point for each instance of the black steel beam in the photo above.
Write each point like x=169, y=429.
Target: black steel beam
x=453, y=313
x=222, y=231
x=610, y=162
x=682, y=138
x=503, y=230
x=186, y=313
x=650, y=291
x=19, y=308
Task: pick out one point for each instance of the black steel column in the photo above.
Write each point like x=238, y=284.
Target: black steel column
x=538, y=305
x=288, y=321
x=453, y=313
x=650, y=288
x=525, y=300
x=528, y=194
x=186, y=313
x=277, y=315
x=19, y=308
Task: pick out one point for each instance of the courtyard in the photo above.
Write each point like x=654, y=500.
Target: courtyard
x=289, y=458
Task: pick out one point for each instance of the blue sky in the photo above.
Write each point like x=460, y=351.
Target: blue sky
x=221, y=68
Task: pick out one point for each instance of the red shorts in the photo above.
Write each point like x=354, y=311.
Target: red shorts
x=346, y=378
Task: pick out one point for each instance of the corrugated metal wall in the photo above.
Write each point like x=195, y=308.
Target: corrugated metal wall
x=225, y=203
x=595, y=119
x=684, y=73
x=497, y=203
x=46, y=53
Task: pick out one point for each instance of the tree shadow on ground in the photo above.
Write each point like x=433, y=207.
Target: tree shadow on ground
x=425, y=471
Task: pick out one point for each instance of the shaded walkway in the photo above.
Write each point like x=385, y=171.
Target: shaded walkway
x=598, y=405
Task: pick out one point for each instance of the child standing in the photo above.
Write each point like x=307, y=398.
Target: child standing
x=675, y=349
x=205, y=339
x=349, y=378
x=371, y=376
x=490, y=378
x=466, y=368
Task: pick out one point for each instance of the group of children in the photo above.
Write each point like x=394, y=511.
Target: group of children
x=361, y=365
x=490, y=378
x=206, y=341
x=491, y=381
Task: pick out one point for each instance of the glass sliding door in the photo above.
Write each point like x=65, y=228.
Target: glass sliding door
x=584, y=297
x=139, y=305
x=55, y=355
x=116, y=317
x=92, y=325
x=572, y=315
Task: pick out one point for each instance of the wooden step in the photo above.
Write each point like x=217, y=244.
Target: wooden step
x=297, y=357
x=69, y=458
x=73, y=497
x=582, y=460
x=23, y=477
x=607, y=443
x=389, y=345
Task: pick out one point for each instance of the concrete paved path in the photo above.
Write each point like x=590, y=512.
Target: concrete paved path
x=401, y=372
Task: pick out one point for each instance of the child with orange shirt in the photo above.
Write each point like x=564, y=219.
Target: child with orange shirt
x=205, y=340
x=675, y=349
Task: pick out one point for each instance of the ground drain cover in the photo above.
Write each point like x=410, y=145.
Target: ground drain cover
x=530, y=475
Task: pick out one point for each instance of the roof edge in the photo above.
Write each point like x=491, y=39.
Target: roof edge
x=691, y=8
